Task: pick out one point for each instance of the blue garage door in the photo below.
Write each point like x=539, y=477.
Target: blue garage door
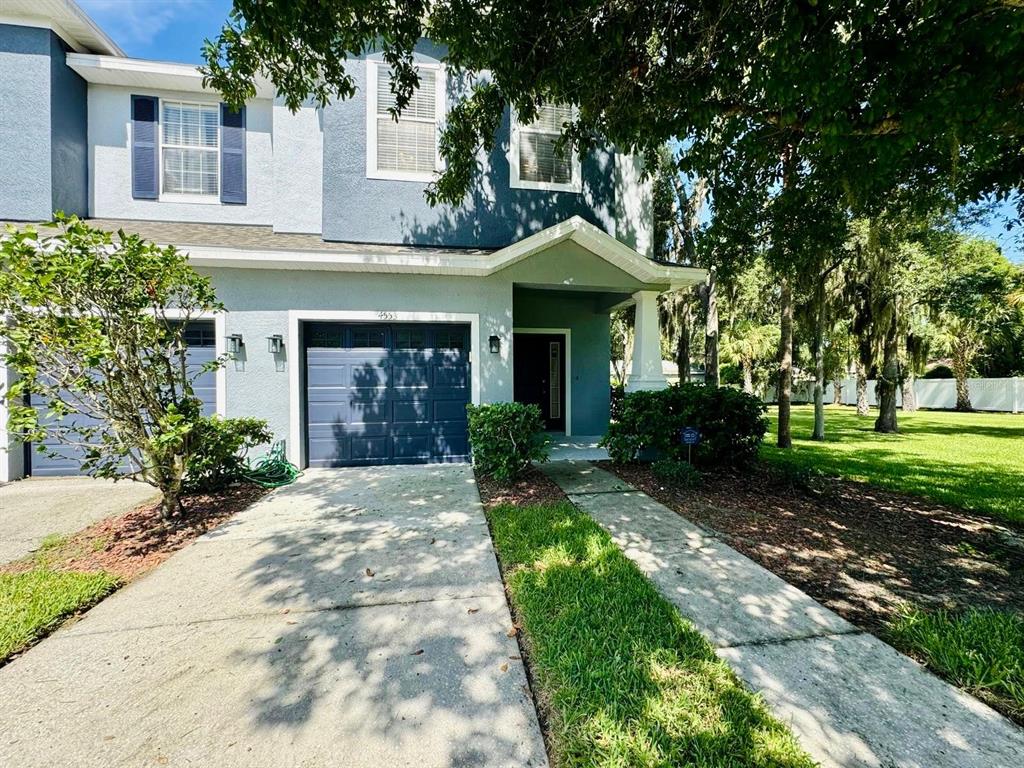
x=386, y=394
x=201, y=349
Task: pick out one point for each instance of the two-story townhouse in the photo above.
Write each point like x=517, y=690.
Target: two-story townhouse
x=359, y=320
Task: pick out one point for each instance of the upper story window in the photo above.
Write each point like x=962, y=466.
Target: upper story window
x=403, y=149
x=190, y=149
x=533, y=161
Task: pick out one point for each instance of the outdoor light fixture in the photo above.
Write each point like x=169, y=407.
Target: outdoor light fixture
x=235, y=343
x=495, y=344
x=275, y=344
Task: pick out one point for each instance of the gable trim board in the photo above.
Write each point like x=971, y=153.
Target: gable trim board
x=575, y=229
x=296, y=447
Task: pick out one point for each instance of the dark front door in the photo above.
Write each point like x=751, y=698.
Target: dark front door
x=386, y=394
x=539, y=375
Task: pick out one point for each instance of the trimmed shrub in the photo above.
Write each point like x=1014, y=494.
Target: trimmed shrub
x=732, y=425
x=219, y=447
x=505, y=438
x=680, y=474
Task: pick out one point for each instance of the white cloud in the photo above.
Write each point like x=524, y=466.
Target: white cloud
x=137, y=22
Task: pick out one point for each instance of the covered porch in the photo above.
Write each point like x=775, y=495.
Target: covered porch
x=565, y=283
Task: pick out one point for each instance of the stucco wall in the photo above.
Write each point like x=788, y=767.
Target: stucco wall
x=25, y=187
x=258, y=303
x=110, y=166
x=69, y=143
x=359, y=209
x=298, y=169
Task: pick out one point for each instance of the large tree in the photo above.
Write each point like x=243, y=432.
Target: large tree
x=766, y=99
x=973, y=305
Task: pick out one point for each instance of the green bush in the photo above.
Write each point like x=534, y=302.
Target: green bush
x=680, y=474
x=732, y=425
x=218, y=451
x=505, y=438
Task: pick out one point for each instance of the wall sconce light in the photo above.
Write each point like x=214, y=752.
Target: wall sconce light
x=275, y=344
x=235, y=343
x=495, y=345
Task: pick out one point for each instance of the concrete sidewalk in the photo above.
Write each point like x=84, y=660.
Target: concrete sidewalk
x=355, y=618
x=34, y=508
x=851, y=699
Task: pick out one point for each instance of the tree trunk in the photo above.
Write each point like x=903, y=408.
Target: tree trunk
x=888, y=381
x=748, y=376
x=862, y=392
x=785, y=377
x=909, y=395
x=818, y=346
x=711, y=373
x=961, y=370
x=683, y=347
x=837, y=391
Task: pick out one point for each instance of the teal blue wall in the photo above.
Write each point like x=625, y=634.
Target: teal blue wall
x=582, y=314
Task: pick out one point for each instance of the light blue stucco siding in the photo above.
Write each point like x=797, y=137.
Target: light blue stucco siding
x=25, y=184
x=43, y=143
x=565, y=287
x=360, y=209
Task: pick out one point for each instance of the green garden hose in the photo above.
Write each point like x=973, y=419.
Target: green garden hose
x=272, y=470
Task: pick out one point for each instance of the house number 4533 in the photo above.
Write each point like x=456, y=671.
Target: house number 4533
x=387, y=315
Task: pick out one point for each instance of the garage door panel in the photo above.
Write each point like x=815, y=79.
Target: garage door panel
x=410, y=411
x=369, y=448
x=451, y=375
x=412, y=393
x=451, y=411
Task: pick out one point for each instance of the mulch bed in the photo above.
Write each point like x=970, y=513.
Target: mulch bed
x=862, y=551
x=533, y=487
x=128, y=545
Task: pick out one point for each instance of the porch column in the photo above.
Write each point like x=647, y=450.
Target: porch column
x=646, y=372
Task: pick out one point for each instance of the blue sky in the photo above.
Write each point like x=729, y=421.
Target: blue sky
x=174, y=30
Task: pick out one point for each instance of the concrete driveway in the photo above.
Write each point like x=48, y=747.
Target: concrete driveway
x=355, y=618
x=32, y=509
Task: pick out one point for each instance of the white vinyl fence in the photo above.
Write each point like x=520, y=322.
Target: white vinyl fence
x=986, y=394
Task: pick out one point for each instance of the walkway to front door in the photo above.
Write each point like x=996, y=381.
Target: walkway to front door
x=355, y=618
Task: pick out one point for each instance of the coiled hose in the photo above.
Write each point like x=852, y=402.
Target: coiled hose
x=273, y=469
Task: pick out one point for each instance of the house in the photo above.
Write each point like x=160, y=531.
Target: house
x=360, y=321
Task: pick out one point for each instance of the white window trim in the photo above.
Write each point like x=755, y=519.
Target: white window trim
x=515, y=182
x=441, y=109
x=185, y=197
x=297, y=439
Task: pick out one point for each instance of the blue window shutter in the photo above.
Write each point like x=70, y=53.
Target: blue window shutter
x=232, y=155
x=145, y=127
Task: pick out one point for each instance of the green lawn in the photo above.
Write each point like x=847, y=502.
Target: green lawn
x=971, y=460
x=35, y=602
x=981, y=651
x=623, y=680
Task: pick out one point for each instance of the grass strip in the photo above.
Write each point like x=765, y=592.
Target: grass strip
x=35, y=602
x=622, y=678
x=979, y=650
